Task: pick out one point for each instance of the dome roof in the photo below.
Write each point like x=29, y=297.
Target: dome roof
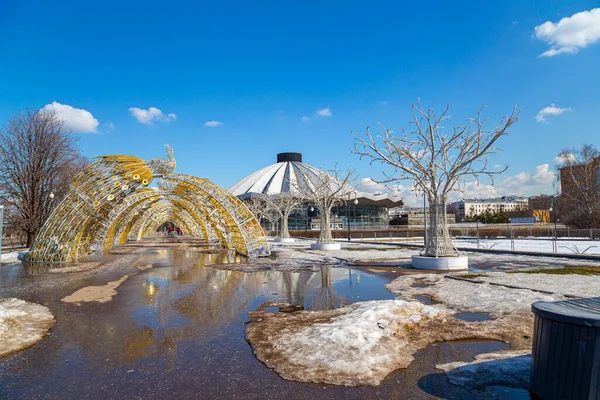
x=288, y=172
x=281, y=177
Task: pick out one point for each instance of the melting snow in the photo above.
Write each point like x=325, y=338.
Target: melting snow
x=22, y=324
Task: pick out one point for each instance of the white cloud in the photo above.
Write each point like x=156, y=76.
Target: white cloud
x=151, y=114
x=213, y=124
x=564, y=159
x=550, y=110
x=74, y=119
x=498, y=166
x=540, y=180
x=110, y=125
x=326, y=112
x=571, y=33
x=383, y=103
x=305, y=119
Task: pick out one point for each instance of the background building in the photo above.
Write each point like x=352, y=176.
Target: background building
x=369, y=211
x=406, y=215
x=580, y=182
x=472, y=207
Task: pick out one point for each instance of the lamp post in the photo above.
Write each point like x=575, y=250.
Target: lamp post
x=424, y=221
x=348, y=216
x=477, y=220
x=1, y=226
x=553, y=212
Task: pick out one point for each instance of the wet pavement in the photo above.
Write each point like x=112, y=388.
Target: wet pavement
x=176, y=330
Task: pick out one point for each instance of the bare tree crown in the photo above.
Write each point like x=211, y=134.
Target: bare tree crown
x=434, y=158
x=37, y=157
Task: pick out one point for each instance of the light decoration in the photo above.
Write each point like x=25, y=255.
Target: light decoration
x=110, y=203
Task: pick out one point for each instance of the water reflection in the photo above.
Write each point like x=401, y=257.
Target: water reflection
x=176, y=312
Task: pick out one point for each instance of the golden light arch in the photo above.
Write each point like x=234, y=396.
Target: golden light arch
x=110, y=202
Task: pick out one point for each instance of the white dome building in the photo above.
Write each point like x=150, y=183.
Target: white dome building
x=367, y=212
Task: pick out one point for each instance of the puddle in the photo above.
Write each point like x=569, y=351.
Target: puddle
x=473, y=317
x=178, y=329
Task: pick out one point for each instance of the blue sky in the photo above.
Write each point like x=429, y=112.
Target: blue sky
x=258, y=68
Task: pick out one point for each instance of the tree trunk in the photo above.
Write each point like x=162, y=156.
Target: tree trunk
x=325, y=234
x=439, y=243
x=284, y=225
x=30, y=238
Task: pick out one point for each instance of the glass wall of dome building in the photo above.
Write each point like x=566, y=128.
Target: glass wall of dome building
x=364, y=211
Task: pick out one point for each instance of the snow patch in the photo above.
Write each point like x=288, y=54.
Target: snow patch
x=355, y=345
x=22, y=324
x=10, y=257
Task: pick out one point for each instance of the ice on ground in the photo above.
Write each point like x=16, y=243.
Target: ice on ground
x=510, y=369
x=22, y=324
x=572, y=285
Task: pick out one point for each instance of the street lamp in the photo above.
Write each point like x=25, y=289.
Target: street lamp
x=1, y=226
x=51, y=195
x=554, y=217
x=476, y=220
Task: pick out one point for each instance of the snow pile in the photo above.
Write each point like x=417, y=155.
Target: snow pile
x=573, y=285
x=22, y=324
x=359, y=331
x=10, y=258
x=355, y=345
x=510, y=369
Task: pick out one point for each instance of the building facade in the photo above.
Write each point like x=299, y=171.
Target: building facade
x=362, y=211
x=580, y=183
x=471, y=207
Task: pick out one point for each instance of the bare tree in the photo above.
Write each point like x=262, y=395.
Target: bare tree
x=263, y=208
x=37, y=157
x=284, y=204
x=579, y=171
x=436, y=160
x=327, y=190
x=258, y=205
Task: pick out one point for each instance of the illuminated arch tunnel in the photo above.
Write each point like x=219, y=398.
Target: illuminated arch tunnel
x=110, y=203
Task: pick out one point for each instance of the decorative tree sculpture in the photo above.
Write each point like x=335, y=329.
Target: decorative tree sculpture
x=284, y=204
x=325, y=191
x=437, y=161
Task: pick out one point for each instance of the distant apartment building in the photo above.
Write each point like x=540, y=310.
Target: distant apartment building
x=472, y=207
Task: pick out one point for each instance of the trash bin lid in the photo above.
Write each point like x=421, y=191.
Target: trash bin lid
x=583, y=312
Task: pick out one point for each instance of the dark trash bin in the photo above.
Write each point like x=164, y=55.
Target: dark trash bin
x=566, y=349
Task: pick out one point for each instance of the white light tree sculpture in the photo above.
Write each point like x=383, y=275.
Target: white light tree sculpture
x=284, y=204
x=327, y=190
x=437, y=160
